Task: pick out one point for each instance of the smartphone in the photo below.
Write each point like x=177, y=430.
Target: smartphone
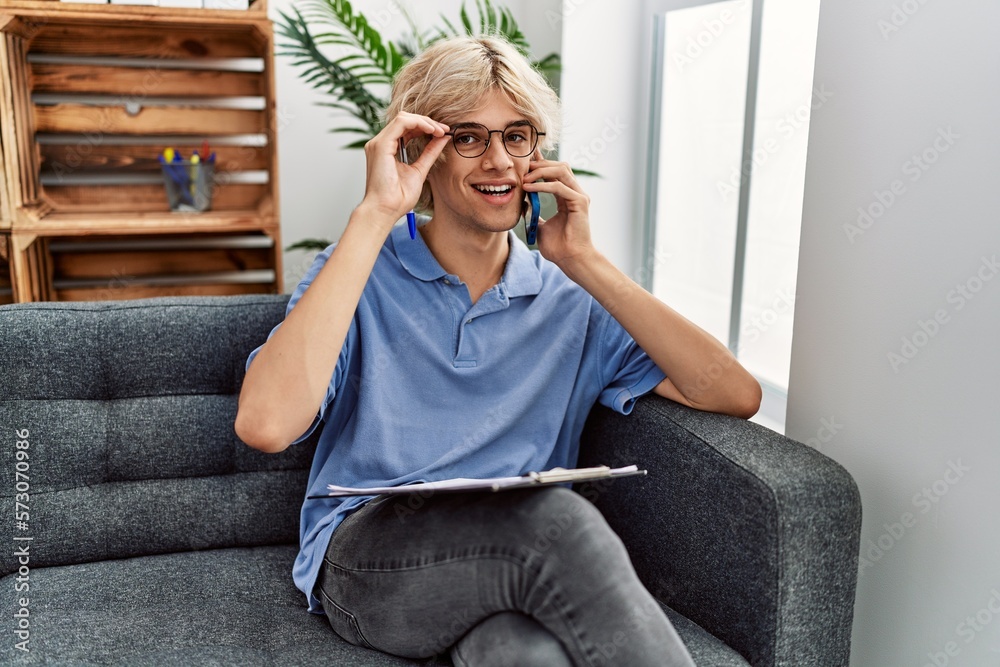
x=534, y=209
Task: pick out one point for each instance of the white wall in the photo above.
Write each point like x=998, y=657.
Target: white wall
x=321, y=183
x=920, y=432
x=604, y=90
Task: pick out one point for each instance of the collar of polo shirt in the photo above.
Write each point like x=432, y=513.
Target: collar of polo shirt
x=521, y=276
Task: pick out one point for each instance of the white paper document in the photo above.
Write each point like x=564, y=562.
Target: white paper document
x=554, y=476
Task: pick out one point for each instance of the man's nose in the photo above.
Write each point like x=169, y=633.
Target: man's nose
x=496, y=156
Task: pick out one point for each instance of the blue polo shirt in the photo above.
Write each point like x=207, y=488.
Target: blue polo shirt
x=430, y=386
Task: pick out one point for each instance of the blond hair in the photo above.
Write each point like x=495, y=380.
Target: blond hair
x=450, y=79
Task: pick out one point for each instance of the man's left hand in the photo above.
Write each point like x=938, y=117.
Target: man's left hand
x=565, y=237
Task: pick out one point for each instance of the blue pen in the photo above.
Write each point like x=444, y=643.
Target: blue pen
x=411, y=217
x=177, y=173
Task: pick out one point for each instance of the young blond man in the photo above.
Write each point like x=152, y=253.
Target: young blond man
x=461, y=353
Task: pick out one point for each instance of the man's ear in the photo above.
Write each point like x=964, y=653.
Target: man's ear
x=431, y=173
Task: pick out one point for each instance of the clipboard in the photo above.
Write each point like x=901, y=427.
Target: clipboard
x=532, y=479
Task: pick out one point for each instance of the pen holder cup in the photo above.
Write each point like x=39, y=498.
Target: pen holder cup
x=189, y=185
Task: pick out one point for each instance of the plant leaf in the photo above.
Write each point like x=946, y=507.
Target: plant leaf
x=485, y=18
x=451, y=29
x=357, y=144
x=465, y=20
x=309, y=244
x=347, y=84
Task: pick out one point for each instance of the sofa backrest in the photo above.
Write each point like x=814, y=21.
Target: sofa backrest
x=127, y=409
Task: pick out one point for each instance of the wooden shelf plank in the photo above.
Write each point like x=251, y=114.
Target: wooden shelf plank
x=116, y=291
x=72, y=264
x=58, y=78
x=248, y=277
x=145, y=41
x=165, y=120
x=76, y=11
x=227, y=241
x=153, y=222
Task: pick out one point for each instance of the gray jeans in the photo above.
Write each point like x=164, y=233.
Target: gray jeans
x=525, y=577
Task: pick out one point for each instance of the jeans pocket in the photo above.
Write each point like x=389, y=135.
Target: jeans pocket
x=343, y=622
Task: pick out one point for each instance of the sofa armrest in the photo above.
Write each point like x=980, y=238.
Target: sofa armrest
x=750, y=534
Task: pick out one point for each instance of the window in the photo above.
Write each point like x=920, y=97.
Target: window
x=732, y=93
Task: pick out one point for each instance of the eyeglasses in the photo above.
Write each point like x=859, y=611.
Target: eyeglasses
x=472, y=139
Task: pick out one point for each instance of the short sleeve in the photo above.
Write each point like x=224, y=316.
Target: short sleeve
x=627, y=372
x=349, y=342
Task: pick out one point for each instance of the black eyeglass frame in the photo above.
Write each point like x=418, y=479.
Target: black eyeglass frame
x=489, y=137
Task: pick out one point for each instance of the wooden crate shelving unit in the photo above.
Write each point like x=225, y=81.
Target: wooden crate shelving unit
x=90, y=95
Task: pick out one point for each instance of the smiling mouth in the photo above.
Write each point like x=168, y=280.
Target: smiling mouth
x=495, y=190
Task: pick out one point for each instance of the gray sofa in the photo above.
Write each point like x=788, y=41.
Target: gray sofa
x=152, y=536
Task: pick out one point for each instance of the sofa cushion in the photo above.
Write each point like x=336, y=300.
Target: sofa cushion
x=110, y=350
x=129, y=410
x=234, y=606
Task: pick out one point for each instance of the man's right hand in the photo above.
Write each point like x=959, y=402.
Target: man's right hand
x=288, y=379
x=391, y=187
